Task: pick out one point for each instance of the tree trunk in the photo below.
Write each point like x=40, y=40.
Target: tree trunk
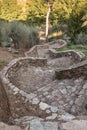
x=47, y=20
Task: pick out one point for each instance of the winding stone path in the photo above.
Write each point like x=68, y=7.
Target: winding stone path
x=32, y=80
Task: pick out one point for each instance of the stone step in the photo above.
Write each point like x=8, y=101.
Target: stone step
x=75, y=125
x=38, y=125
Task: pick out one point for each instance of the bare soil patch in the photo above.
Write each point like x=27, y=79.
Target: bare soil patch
x=6, y=56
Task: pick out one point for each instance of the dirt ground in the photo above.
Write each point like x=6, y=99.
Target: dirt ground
x=6, y=56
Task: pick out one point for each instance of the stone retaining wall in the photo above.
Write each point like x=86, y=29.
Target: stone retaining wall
x=20, y=101
x=23, y=103
x=76, y=70
x=76, y=55
x=5, y=113
x=33, y=52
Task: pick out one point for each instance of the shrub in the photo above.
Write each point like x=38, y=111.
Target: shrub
x=66, y=38
x=4, y=31
x=81, y=38
x=20, y=35
x=23, y=36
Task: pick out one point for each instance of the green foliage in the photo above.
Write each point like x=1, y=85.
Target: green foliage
x=4, y=31
x=81, y=39
x=20, y=35
x=85, y=21
x=75, y=20
x=34, y=11
x=72, y=13
x=8, y=9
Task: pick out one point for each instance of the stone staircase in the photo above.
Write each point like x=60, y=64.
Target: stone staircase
x=38, y=125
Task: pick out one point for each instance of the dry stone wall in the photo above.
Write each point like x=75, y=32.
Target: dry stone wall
x=76, y=70
x=18, y=97
x=23, y=102
x=76, y=55
x=33, y=52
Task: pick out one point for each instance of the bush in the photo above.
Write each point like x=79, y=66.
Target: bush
x=4, y=31
x=81, y=38
x=77, y=19
x=20, y=35
x=23, y=36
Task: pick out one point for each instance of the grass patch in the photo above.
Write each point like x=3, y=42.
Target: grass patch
x=82, y=48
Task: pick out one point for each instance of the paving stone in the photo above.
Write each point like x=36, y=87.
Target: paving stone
x=68, y=87
x=54, y=109
x=80, y=101
x=85, y=86
x=52, y=117
x=15, y=93
x=54, y=103
x=43, y=106
x=75, y=125
x=73, y=109
x=66, y=117
x=71, y=102
x=5, y=80
x=48, y=96
x=61, y=102
x=30, y=96
x=23, y=93
x=61, y=83
x=36, y=125
x=46, y=93
x=73, y=89
x=48, y=111
x=63, y=91
x=16, y=89
x=12, y=86
x=43, y=99
x=50, y=125
x=35, y=101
